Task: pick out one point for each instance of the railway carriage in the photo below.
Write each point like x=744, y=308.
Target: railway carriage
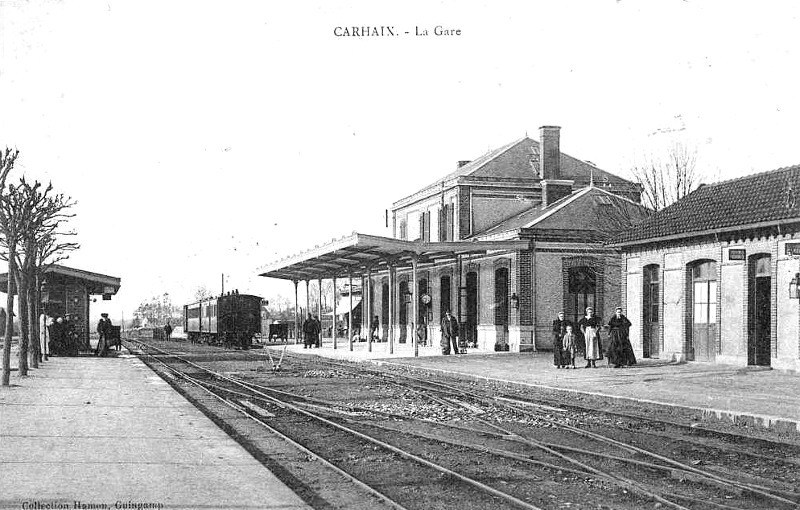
x=231, y=319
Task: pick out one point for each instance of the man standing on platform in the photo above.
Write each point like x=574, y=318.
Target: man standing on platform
x=449, y=333
x=309, y=332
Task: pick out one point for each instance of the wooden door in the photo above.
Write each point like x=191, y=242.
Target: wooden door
x=651, y=303
x=704, y=311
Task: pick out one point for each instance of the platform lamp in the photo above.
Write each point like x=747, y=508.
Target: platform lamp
x=794, y=287
x=514, y=301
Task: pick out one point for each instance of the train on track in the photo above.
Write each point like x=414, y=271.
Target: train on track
x=231, y=319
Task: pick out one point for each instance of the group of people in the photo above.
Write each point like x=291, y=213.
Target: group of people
x=583, y=339
x=60, y=336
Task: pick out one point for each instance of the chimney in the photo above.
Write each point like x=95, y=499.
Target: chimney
x=463, y=162
x=554, y=188
x=550, y=151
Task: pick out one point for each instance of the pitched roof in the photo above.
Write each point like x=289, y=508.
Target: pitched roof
x=514, y=160
x=537, y=216
x=761, y=199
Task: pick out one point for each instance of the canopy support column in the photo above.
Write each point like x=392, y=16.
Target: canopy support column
x=319, y=310
x=350, y=315
x=365, y=293
x=308, y=300
x=296, y=328
x=392, y=290
x=414, y=304
x=363, y=307
x=334, y=325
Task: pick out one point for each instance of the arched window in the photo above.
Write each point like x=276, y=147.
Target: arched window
x=581, y=292
x=445, y=302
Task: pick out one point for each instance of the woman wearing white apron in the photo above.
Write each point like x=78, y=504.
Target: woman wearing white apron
x=590, y=327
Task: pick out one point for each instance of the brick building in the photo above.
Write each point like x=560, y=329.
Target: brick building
x=714, y=277
x=505, y=242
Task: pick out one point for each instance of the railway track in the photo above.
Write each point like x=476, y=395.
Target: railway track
x=477, y=461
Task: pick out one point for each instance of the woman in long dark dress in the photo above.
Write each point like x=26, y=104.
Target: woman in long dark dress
x=560, y=357
x=620, y=351
x=590, y=327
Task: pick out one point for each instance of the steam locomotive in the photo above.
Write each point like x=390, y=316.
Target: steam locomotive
x=232, y=319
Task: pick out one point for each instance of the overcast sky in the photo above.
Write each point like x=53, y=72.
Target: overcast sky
x=202, y=138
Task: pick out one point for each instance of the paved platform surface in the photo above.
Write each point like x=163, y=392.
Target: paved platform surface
x=754, y=396
x=109, y=431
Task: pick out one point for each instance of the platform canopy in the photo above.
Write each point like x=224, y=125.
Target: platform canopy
x=356, y=254
x=96, y=283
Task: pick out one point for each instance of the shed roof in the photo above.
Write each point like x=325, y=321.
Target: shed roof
x=96, y=283
x=760, y=200
x=357, y=253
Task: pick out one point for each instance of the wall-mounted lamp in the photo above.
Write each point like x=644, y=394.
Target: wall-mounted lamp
x=794, y=287
x=514, y=301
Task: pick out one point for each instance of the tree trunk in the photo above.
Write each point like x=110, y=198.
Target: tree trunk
x=9, y=320
x=22, y=303
x=33, y=326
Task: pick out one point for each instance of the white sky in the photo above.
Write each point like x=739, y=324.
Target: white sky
x=202, y=138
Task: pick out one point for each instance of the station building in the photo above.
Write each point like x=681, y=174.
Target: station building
x=67, y=290
x=505, y=242
x=715, y=276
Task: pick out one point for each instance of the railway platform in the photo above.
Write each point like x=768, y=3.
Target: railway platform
x=747, y=396
x=92, y=432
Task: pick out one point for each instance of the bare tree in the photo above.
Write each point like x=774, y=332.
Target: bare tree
x=202, y=292
x=669, y=177
x=43, y=215
x=11, y=231
x=30, y=218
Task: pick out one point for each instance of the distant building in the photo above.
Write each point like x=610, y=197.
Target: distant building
x=714, y=277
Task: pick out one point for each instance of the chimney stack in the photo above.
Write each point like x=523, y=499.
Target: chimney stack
x=464, y=162
x=550, y=151
x=554, y=188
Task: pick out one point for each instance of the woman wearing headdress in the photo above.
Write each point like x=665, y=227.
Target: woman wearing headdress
x=620, y=351
x=590, y=327
x=560, y=358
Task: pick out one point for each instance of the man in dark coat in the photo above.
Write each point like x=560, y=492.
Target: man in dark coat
x=310, y=332
x=449, y=333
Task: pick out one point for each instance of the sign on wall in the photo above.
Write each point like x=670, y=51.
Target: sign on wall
x=737, y=254
x=792, y=248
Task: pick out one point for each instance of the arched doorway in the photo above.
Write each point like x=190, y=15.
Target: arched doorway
x=501, y=307
x=423, y=308
x=581, y=290
x=402, y=311
x=469, y=321
x=759, y=283
x=651, y=304
x=385, y=297
x=445, y=302
x=704, y=310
